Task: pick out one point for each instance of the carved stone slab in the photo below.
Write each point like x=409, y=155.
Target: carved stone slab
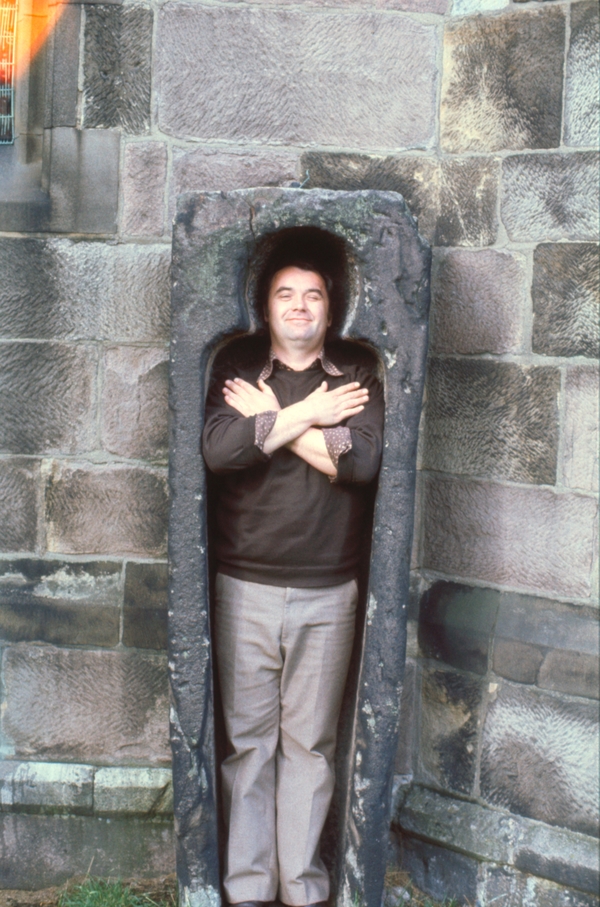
x=217, y=238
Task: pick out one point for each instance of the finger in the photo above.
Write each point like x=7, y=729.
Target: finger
x=353, y=411
x=263, y=386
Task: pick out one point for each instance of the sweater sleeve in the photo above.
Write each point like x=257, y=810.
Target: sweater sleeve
x=361, y=463
x=228, y=438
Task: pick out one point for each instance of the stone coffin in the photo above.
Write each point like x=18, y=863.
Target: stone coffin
x=217, y=245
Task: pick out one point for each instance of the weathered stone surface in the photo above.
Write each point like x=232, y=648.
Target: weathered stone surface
x=18, y=504
x=305, y=80
x=540, y=758
x=502, y=82
x=450, y=704
x=48, y=398
x=84, y=180
x=40, y=851
x=409, y=704
x=582, y=100
x=453, y=200
x=417, y=6
x=564, y=857
x=145, y=611
x=144, y=181
x=510, y=888
x=468, y=7
x=580, y=439
x=550, y=196
x=524, y=537
x=456, y=624
x=84, y=290
x=63, y=72
x=106, y=510
x=479, y=300
x=46, y=787
x=494, y=419
x=141, y=791
x=134, y=402
x=440, y=872
x=565, y=293
x=117, y=67
x=86, y=706
x=60, y=602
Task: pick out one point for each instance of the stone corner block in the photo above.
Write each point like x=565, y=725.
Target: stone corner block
x=581, y=441
x=582, y=101
x=133, y=791
x=146, y=603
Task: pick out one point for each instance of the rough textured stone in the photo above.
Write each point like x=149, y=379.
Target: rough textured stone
x=134, y=402
x=144, y=180
x=468, y=7
x=60, y=602
x=530, y=538
x=456, y=624
x=47, y=787
x=453, y=200
x=40, y=851
x=479, y=300
x=86, y=706
x=417, y=6
x=145, y=611
x=440, y=872
x=48, y=399
x=405, y=755
x=18, y=504
x=550, y=196
x=580, y=439
x=305, y=79
x=84, y=180
x=494, y=419
x=496, y=91
x=540, y=758
x=63, y=73
x=582, y=100
x=450, y=704
x=117, y=68
x=141, y=791
x=565, y=293
x=511, y=888
x=564, y=857
x=106, y=510
x=84, y=290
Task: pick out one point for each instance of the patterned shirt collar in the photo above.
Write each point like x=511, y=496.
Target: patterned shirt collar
x=326, y=364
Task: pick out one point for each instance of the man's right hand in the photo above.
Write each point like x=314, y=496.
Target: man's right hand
x=332, y=407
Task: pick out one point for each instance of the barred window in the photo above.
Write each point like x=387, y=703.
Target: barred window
x=8, y=25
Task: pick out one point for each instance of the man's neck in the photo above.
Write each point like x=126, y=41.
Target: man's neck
x=296, y=358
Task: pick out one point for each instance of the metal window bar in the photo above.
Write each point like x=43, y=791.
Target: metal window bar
x=8, y=28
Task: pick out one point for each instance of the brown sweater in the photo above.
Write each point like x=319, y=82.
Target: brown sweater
x=279, y=520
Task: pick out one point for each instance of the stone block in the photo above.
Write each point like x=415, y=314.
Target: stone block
x=63, y=71
x=540, y=758
x=450, y=704
x=117, y=67
x=478, y=302
x=134, y=420
x=563, y=857
x=580, y=429
x=456, y=624
x=117, y=510
x=529, y=538
x=144, y=181
x=497, y=419
x=510, y=888
x=60, y=602
x=409, y=706
x=146, y=604
x=84, y=290
x=84, y=180
x=86, y=706
x=502, y=82
x=582, y=100
x=575, y=673
x=565, y=294
x=438, y=871
x=416, y=6
x=44, y=851
x=48, y=401
x=49, y=787
x=468, y=7
x=305, y=80
x=19, y=481
x=550, y=196
x=453, y=200
x=133, y=791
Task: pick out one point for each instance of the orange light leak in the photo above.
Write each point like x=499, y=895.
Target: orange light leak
x=40, y=27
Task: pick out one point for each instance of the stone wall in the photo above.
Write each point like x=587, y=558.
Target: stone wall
x=484, y=115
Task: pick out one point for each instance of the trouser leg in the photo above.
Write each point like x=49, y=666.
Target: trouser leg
x=317, y=639
x=248, y=621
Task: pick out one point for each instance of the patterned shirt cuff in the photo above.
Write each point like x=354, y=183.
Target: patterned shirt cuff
x=263, y=424
x=338, y=441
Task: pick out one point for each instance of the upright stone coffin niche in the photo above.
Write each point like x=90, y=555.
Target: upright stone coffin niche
x=218, y=242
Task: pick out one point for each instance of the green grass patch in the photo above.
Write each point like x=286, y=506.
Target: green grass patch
x=106, y=893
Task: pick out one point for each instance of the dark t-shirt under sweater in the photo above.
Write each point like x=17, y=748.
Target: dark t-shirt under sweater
x=279, y=520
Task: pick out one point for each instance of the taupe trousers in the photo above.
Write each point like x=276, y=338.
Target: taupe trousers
x=283, y=656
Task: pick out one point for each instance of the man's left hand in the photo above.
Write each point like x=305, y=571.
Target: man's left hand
x=250, y=400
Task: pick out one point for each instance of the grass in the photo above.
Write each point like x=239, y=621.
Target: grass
x=107, y=893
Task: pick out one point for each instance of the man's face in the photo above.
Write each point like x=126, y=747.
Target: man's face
x=298, y=308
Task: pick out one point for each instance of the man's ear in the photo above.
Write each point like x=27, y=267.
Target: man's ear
x=266, y=314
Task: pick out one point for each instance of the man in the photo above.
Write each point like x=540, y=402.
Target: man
x=294, y=440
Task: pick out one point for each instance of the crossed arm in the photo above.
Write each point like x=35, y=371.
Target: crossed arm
x=298, y=426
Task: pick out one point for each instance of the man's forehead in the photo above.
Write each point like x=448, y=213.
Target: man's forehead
x=283, y=278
